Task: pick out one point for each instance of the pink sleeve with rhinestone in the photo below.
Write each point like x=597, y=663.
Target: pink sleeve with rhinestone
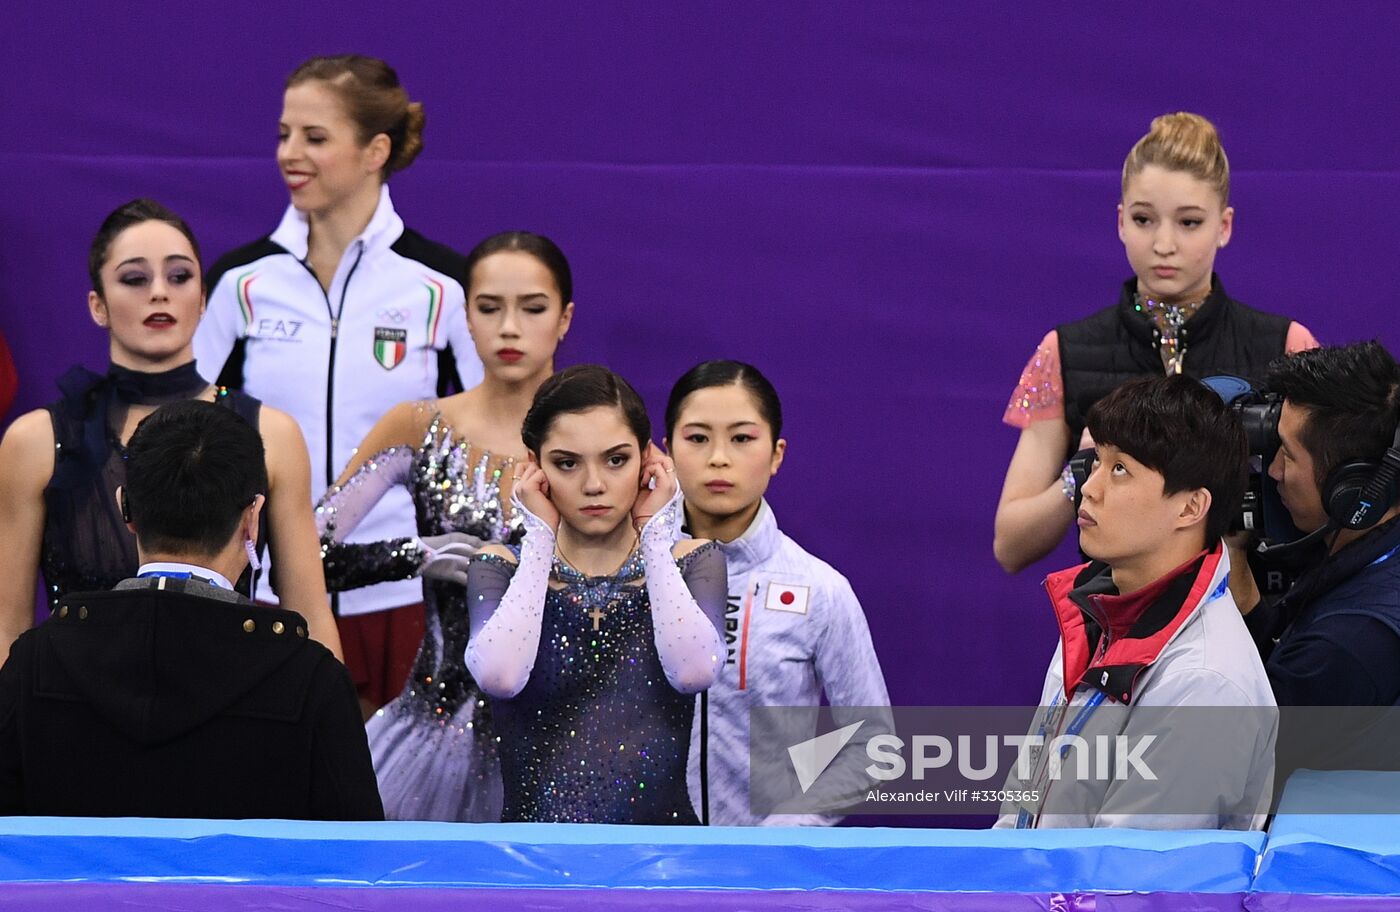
x=1039, y=396
x=1300, y=338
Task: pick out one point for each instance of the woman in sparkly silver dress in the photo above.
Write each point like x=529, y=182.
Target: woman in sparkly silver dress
x=598, y=630
x=433, y=747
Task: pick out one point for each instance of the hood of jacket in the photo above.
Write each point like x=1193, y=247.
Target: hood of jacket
x=157, y=664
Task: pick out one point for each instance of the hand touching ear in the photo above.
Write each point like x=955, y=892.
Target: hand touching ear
x=532, y=488
x=658, y=485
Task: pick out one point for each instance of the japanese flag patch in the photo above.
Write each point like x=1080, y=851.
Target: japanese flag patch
x=783, y=597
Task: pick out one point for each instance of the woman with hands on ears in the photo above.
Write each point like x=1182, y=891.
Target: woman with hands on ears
x=595, y=633
x=433, y=746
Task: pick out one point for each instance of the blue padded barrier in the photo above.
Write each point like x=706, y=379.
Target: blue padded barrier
x=290, y=853
x=1351, y=851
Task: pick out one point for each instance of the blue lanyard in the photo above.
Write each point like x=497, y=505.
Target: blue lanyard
x=1076, y=725
x=180, y=575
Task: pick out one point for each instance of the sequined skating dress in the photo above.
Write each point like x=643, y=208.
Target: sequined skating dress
x=600, y=731
x=434, y=748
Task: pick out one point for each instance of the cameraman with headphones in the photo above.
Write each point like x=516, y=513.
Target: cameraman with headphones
x=1333, y=639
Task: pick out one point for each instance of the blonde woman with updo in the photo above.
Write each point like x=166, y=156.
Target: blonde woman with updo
x=1172, y=317
x=342, y=313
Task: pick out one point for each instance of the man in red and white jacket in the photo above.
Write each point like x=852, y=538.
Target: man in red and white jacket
x=1155, y=687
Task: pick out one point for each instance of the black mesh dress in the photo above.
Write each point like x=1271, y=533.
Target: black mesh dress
x=86, y=545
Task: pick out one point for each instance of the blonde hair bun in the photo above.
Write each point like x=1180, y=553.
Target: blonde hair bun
x=1182, y=142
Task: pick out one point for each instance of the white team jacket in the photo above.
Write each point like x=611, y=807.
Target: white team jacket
x=392, y=328
x=1182, y=686
x=793, y=629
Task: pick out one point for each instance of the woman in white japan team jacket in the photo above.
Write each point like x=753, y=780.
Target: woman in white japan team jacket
x=342, y=313
x=793, y=627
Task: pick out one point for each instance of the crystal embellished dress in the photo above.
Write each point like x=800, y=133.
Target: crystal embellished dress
x=433, y=747
x=600, y=730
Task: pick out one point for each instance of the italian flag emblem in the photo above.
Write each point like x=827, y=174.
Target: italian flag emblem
x=390, y=345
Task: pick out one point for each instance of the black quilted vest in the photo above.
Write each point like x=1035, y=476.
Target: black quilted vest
x=1106, y=348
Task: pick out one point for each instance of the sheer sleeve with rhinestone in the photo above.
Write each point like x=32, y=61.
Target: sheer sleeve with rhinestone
x=687, y=608
x=351, y=565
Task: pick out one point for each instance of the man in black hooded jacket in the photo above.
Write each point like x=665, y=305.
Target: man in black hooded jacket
x=172, y=695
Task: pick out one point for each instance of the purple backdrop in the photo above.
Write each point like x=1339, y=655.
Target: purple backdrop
x=882, y=205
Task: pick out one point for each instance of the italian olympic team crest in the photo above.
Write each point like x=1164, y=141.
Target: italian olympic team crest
x=390, y=346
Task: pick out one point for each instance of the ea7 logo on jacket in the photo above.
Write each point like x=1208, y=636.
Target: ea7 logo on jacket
x=390, y=346
x=278, y=330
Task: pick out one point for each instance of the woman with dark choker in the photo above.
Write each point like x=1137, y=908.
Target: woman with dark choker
x=60, y=465
x=1172, y=317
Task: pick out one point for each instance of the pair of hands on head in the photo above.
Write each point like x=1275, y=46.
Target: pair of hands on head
x=657, y=485
x=449, y=555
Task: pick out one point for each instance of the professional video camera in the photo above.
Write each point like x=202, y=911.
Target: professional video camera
x=1261, y=511
x=1273, y=558
x=1280, y=551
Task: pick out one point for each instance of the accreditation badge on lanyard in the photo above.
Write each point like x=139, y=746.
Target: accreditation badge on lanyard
x=1034, y=798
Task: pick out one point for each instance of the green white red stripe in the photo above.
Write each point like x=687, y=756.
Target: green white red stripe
x=434, y=308
x=245, y=300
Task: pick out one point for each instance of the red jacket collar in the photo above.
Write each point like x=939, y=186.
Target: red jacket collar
x=1138, y=625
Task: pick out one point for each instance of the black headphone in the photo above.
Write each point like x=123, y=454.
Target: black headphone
x=1358, y=492
x=126, y=506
